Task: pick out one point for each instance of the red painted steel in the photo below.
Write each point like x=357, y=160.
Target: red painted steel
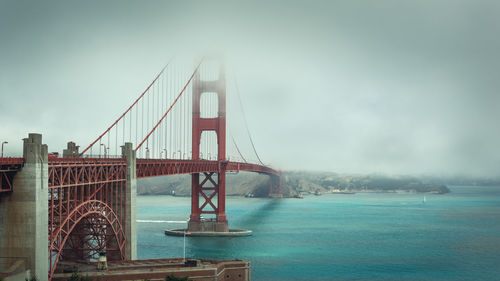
x=218, y=125
x=8, y=169
x=87, y=196
x=11, y=161
x=164, y=167
x=87, y=200
x=275, y=185
x=89, y=193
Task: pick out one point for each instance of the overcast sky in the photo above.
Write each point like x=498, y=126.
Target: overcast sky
x=397, y=87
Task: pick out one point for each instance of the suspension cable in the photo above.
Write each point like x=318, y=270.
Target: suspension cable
x=239, y=152
x=245, y=119
x=171, y=106
x=126, y=111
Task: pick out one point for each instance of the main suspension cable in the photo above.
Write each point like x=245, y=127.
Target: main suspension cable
x=126, y=111
x=245, y=120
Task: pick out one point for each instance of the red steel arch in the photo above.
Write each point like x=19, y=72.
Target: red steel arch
x=87, y=199
x=91, y=207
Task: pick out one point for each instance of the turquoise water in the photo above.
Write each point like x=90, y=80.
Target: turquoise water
x=363, y=236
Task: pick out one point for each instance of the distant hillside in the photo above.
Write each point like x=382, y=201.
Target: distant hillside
x=240, y=184
x=294, y=182
x=304, y=182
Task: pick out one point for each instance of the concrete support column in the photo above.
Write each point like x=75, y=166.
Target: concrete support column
x=24, y=215
x=195, y=198
x=71, y=151
x=128, y=153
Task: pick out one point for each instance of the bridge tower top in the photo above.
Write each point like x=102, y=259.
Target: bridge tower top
x=216, y=124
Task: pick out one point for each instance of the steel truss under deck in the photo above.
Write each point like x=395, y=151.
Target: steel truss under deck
x=87, y=199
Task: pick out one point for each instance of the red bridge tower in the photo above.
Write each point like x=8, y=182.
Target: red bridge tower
x=211, y=186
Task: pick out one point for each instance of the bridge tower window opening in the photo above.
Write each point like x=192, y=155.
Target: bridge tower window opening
x=208, y=145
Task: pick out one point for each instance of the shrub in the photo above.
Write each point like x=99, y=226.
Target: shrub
x=173, y=278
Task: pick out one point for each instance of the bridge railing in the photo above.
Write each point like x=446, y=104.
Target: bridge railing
x=100, y=156
x=55, y=161
x=8, y=168
x=11, y=160
x=160, y=167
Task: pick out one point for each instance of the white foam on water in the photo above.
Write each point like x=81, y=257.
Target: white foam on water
x=161, y=221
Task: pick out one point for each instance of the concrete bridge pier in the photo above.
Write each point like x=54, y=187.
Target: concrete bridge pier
x=128, y=153
x=24, y=214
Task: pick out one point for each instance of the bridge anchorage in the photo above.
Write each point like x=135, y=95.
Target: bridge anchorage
x=55, y=210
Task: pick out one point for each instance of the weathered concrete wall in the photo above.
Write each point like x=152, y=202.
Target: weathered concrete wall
x=130, y=229
x=24, y=215
x=208, y=226
x=71, y=151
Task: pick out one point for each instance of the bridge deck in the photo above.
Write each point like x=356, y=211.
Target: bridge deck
x=165, y=167
x=8, y=168
x=145, y=167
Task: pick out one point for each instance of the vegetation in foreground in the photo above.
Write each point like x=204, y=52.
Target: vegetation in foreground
x=76, y=276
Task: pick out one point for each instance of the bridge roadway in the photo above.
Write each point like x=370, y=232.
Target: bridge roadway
x=8, y=168
x=157, y=167
x=160, y=167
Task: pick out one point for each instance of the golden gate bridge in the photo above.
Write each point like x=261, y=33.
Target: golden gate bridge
x=178, y=126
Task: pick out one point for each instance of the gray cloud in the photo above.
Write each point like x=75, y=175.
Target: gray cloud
x=348, y=86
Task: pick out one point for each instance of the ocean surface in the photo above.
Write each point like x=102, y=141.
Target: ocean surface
x=362, y=236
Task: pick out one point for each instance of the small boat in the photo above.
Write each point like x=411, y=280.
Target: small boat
x=423, y=201
x=299, y=196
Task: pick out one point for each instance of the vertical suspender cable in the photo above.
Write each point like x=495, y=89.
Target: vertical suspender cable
x=130, y=126
x=170, y=117
x=176, y=113
x=167, y=87
x=186, y=120
x=164, y=96
x=147, y=123
x=119, y=118
x=107, y=146
x=123, y=132
x=142, y=121
x=151, y=148
x=160, y=137
x=245, y=119
x=181, y=121
x=136, y=123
